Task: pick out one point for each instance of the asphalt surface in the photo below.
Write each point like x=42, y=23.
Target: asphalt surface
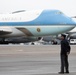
x=33, y=60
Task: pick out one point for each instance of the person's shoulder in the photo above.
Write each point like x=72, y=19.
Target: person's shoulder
x=65, y=40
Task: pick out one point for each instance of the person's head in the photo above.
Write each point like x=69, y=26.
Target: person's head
x=63, y=36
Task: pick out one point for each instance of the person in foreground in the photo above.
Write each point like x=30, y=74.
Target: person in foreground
x=65, y=51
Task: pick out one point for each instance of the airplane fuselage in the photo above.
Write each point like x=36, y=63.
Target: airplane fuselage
x=35, y=23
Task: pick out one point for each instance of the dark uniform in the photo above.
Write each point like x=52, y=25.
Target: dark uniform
x=65, y=48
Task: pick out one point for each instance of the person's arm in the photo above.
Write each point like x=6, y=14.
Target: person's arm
x=68, y=48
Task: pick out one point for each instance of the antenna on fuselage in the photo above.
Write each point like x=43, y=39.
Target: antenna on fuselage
x=73, y=17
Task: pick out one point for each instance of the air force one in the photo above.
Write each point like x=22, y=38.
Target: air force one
x=34, y=23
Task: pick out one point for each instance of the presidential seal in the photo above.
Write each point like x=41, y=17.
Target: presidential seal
x=38, y=30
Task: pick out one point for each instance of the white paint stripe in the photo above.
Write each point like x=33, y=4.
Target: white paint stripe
x=20, y=17
x=39, y=26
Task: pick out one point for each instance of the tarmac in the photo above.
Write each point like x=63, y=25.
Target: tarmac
x=33, y=60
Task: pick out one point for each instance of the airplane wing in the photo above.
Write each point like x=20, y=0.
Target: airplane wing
x=5, y=30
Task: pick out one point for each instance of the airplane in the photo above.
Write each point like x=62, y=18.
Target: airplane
x=35, y=23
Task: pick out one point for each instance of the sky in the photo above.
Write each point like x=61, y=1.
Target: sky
x=66, y=6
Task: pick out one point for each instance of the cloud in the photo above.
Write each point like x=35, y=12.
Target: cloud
x=67, y=6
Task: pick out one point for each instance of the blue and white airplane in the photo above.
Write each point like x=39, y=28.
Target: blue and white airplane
x=34, y=23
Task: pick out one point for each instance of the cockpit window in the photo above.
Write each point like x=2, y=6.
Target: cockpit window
x=59, y=13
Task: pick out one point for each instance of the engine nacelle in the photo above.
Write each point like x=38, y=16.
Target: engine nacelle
x=34, y=38
x=20, y=40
